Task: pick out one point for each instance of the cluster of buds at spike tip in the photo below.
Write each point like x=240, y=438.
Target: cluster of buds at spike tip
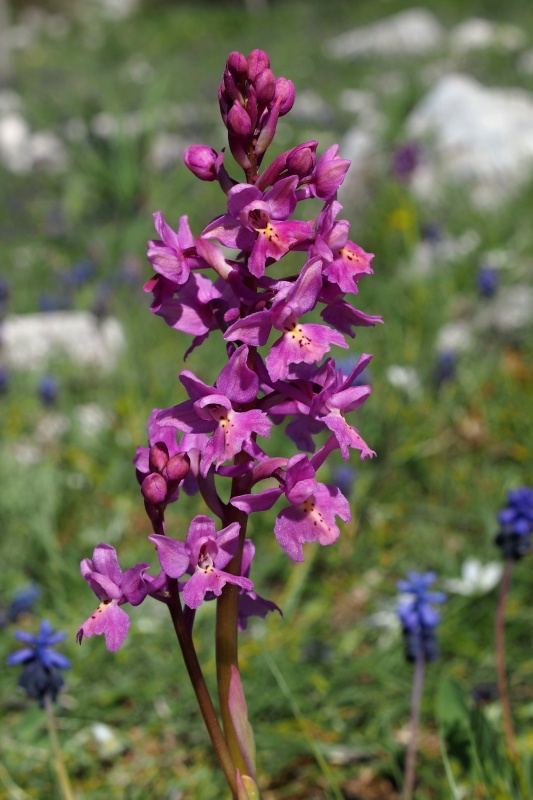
x=251, y=101
x=160, y=470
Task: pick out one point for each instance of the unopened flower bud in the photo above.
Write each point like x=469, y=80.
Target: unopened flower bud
x=158, y=457
x=237, y=65
x=178, y=467
x=200, y=159
x=231, y=89
x=285, y=95
x=238, y=121
x=301, y=161
x=265, y=86
x=257, y=62
x=154, y=489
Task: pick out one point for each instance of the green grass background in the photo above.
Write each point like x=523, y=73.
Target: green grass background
x=445, y=458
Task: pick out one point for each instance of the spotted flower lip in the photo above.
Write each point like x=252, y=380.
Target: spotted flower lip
x=310, y=517
x=168, y=255
x=258, y=223
x=204, y=554
x=113, y=588
x=216, y=410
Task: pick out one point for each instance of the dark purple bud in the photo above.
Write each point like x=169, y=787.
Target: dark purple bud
x=257, y=62
x=265, y=86
x=285, y=95
x=154, y=489
x=158, y=457
x=251, y=107
x=301, y=161
x=201, y=159
x=237, y=65
x=238, y=121
x=268, y=129
x=238, y=152
x=178, y=467
x=224, y=102
x=231, y=89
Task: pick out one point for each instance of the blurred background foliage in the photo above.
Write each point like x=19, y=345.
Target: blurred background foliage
x=125, y=96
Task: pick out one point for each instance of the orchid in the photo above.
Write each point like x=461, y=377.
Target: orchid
x=277, y=366
x=113, y=588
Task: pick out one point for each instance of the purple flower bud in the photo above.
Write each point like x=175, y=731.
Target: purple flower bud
x=268, y=129
x=265, y=86
x=257, y=62
x=200, y=159
x=158, y=457
x=231, y=90
x=238, y=121
x=252, y=107
x=237, y=65
x=285, y=95
x=154, y=489
x=178, y=467
x=302, y=160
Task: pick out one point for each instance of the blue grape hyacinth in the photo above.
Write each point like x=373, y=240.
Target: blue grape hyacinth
x=516, y=524
x=40, y=676
x=417, y=615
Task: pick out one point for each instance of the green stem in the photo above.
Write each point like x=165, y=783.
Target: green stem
x=416, y=698
x=62, y=775
x=227, y=648
x=500, y=659
x=200, y=688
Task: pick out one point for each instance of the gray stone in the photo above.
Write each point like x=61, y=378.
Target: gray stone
x=477, y=137
x=413, y=32
x=509, y=313
x=31, y=340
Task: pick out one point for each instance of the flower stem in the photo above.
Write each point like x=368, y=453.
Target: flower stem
x=227, y=650
x=62, y=774
x=199, y=685
x=416, y=697
x=499, y=638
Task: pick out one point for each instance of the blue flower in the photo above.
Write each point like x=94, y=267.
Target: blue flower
x=40, y=676
x=516, y=524
x=417, y=615
x=487, y=279
x=48, y=390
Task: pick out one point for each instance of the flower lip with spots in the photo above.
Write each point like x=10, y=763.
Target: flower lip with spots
x=203, y=555
x=113, y=588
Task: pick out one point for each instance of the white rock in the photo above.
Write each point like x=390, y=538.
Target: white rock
x=525, y=62
x=413, y=32
x=405, y=378
x=478, y=34
x=310, y=106
x=455, y=337
x=167, y=151
x=479, y=137
x=92, y=419
x=47, y=151
x=363, y=149
x=509, y=312
x=30, y=340
x=118, y=9
x=14, y=142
